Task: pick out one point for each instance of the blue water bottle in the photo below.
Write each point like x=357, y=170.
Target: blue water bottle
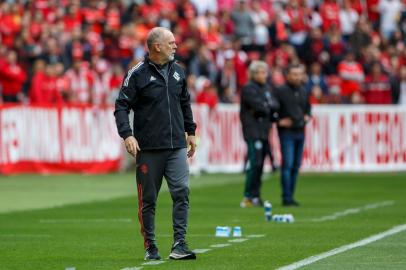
x=268, y=210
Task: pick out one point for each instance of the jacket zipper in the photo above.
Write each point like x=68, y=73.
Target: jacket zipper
x=167, y=95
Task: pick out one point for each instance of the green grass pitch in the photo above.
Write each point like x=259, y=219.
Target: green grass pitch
x=90, y=222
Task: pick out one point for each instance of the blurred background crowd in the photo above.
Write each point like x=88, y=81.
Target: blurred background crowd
x=71, y=51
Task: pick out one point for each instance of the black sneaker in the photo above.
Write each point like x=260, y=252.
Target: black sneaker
x=151, y=253
x=180, y=251
x=291, y=203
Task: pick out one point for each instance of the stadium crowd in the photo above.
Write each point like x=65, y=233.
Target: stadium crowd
x=71, y=51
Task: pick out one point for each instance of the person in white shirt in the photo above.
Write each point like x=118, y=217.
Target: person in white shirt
x=348, y=19
x=390, y=14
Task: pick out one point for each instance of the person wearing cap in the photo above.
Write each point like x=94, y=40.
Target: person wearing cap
x=156, y=91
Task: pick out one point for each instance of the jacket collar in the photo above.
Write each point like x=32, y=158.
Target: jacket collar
x=149, y=61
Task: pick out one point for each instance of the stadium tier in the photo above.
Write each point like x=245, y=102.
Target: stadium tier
x=59, y=51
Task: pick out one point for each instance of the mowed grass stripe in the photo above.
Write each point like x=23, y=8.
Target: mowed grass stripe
x=388, y=253
x=29, y=192
x=344, y=248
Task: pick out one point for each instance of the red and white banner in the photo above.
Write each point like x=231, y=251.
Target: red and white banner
x=339, y=138
x=84, y=139
x=359, y=138
x=58, y=140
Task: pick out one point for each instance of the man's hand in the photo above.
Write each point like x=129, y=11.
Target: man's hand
x=131, y=145
x=191, y=144
x=307, y=118
x=285, y=122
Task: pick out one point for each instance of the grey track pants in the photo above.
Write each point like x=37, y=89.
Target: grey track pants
x=152, y=166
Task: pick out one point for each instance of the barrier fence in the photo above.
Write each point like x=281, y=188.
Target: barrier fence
x=84, y=139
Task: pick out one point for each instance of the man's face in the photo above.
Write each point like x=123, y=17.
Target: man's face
x=260, y=75
x=168, y=47
x=295, y=76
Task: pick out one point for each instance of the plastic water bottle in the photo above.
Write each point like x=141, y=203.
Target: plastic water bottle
x=223, y=231
x=277, y=218
x=237, y=232
x=268, y=210
x=289, y=218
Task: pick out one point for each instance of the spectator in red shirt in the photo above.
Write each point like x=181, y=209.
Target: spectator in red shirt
x=373, y=11
x=377, y=88
x=93, y=14
x=330, y=13
x=72, y=20
x=12, y=78
x=115, y=83
x=208, y=95
x=44, y=89
x=352, y=76
x=101, y=81
x=37, y=79
x=37, y=25
x=10, y=23
x=295, y=16
x=62, y=82
x=80, y=83
x=113, y=18
x=240, y=64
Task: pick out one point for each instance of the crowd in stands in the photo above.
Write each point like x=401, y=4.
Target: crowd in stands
x=71, y=51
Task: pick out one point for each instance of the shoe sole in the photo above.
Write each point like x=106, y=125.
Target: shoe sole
x=175, y=256
x=154, y=259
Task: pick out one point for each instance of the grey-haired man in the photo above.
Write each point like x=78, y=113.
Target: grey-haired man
x=156, y=91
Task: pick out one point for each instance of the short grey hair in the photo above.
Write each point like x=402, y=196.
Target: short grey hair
x=255, y=66
x=156, y=35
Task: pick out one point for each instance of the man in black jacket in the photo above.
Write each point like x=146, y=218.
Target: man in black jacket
x=257, y=111
x=294, y=113
x=156, y=91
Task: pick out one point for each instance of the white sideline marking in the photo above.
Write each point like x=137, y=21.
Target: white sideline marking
x=202, y=250
x=154, y=263
x=256, y=235
x=132, y=268
x=352, y=211
x=344, y=248
x=239, y=240
x=220, y=245
x=83, y=220
x=70, y=268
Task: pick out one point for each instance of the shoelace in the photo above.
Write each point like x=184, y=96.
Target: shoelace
x=182, y=245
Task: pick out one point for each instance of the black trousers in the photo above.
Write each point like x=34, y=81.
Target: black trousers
x=257, y=151
x=152, y=166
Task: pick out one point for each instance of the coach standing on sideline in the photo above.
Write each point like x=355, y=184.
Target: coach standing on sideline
x=156, y=91
x=294, y=113
x=258, y=109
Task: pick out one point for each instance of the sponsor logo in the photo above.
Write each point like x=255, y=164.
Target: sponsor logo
x=176, y=76
x=143, y=168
